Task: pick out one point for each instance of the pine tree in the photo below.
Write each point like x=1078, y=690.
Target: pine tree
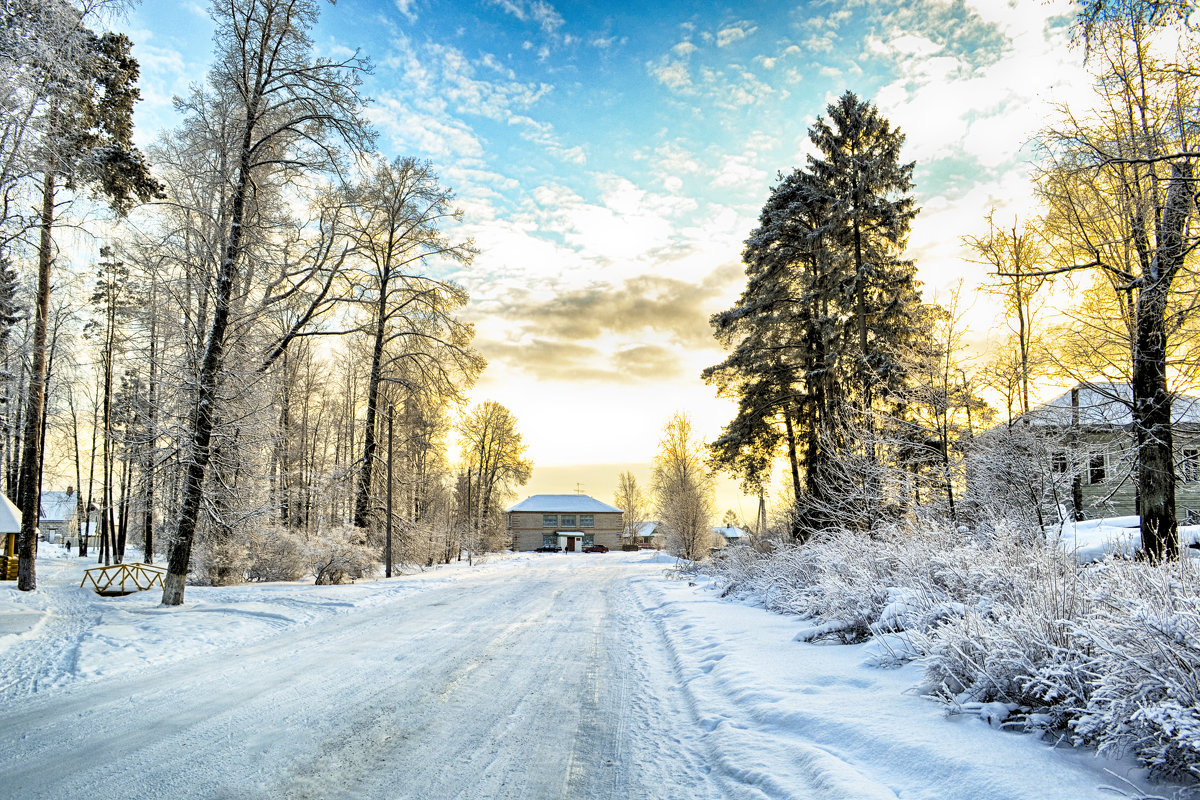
x=86, y=142
x=818, y=335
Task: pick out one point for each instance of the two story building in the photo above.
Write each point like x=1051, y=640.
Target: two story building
x=569, y=521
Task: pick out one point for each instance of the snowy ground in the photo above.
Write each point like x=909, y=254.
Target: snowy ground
x=1093, y=539
x=572, y=676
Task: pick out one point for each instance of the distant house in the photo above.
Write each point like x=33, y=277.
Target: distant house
x=648, y=533
x=729, y=534
x=1091, y=459
x=569, y=521
x=58, y=513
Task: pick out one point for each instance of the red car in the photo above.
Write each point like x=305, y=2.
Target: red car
x=595, y=548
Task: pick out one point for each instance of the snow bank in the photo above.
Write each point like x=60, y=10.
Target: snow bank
x=1096, y=539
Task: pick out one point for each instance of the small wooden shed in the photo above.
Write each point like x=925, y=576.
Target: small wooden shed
x=10, y=526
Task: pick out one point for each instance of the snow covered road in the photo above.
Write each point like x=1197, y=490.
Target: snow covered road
x=548, y=677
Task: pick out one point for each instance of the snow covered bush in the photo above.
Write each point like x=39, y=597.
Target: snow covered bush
x=275, y=554
x=219, y=560
x=1009, y=626
x=340, y=555
x=1143, y=641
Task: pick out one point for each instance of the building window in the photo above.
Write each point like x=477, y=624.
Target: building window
x=549, y=540
x=549, y=520
x=510, y=516
x=587, y=521
x=1096, y=468
x=588, y=540
x=1189, y=468
x=1058, y=462
x=567, y=520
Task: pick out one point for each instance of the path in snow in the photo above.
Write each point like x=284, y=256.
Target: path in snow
x=512, y=685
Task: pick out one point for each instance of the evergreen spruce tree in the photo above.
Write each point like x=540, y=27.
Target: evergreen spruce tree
x=818, y=335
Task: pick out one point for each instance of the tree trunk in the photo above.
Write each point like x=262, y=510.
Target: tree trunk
x=205, y=411
x=31, y=453
x=362, y=500
x=148, y=464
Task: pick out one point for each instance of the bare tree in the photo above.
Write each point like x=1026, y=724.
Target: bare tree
x=494, y=464
x=289, y=113
x=630, y=498
x=1015, y=257
x=1120, y=188
x=395, y=220
x=683, y=490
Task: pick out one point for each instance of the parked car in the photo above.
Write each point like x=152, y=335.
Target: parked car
x=548, y=548
x=595, y=548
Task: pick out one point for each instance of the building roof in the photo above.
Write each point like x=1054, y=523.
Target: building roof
x=563, y=503
x=58, y=506
x=647, y=529
x=1107, y=404
x=730, y=532
x=10, y=516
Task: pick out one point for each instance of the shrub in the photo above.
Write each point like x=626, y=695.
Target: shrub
x=340, y=555
x=1107, y=654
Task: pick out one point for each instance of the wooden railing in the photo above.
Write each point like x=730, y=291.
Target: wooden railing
x=106, y=579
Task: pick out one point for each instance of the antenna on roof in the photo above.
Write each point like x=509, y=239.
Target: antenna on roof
x=578, y=488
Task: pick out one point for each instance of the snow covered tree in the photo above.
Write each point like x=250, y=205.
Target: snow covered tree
x=83, y=124
x=630, y=498
x=274, y=113
x=818, y=335
x=395, y=218
x=865, y=188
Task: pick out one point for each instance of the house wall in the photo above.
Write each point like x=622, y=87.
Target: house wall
x=1115, y=494
x=527, y=530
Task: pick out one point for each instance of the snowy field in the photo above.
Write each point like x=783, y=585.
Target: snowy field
x=549, y=676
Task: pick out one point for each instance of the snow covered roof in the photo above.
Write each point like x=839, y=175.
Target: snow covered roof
x=563, y=503
x=10, y=516
x=58, y=506
x=730, y=532
x=1107, y=404
x=647, y=529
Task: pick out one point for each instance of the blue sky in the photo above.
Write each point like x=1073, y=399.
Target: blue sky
x=612, y=157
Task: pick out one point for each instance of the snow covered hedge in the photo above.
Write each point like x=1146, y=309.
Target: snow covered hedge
x=1009, y=627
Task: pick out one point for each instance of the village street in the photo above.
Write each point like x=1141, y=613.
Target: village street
x=538, y=677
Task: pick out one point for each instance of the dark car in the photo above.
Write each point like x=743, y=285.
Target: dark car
x=595, y=548
x=547, y=548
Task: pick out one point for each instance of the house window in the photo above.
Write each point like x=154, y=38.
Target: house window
x=510, y=520
x=588, y=540
x=587, y=521
x=1189, y=468
x=567, y=520
x=549, y=540
x=1058, y=462
x=1096, y=468
x=549, y=520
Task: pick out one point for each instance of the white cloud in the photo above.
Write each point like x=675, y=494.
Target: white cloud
x=407, y=8
x=441, y=137
x=672, y=74
x=738, y=171
x=546, y=16
x=684, y=49
x=734, y=33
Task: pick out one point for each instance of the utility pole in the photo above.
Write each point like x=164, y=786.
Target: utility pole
x=388, y=547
